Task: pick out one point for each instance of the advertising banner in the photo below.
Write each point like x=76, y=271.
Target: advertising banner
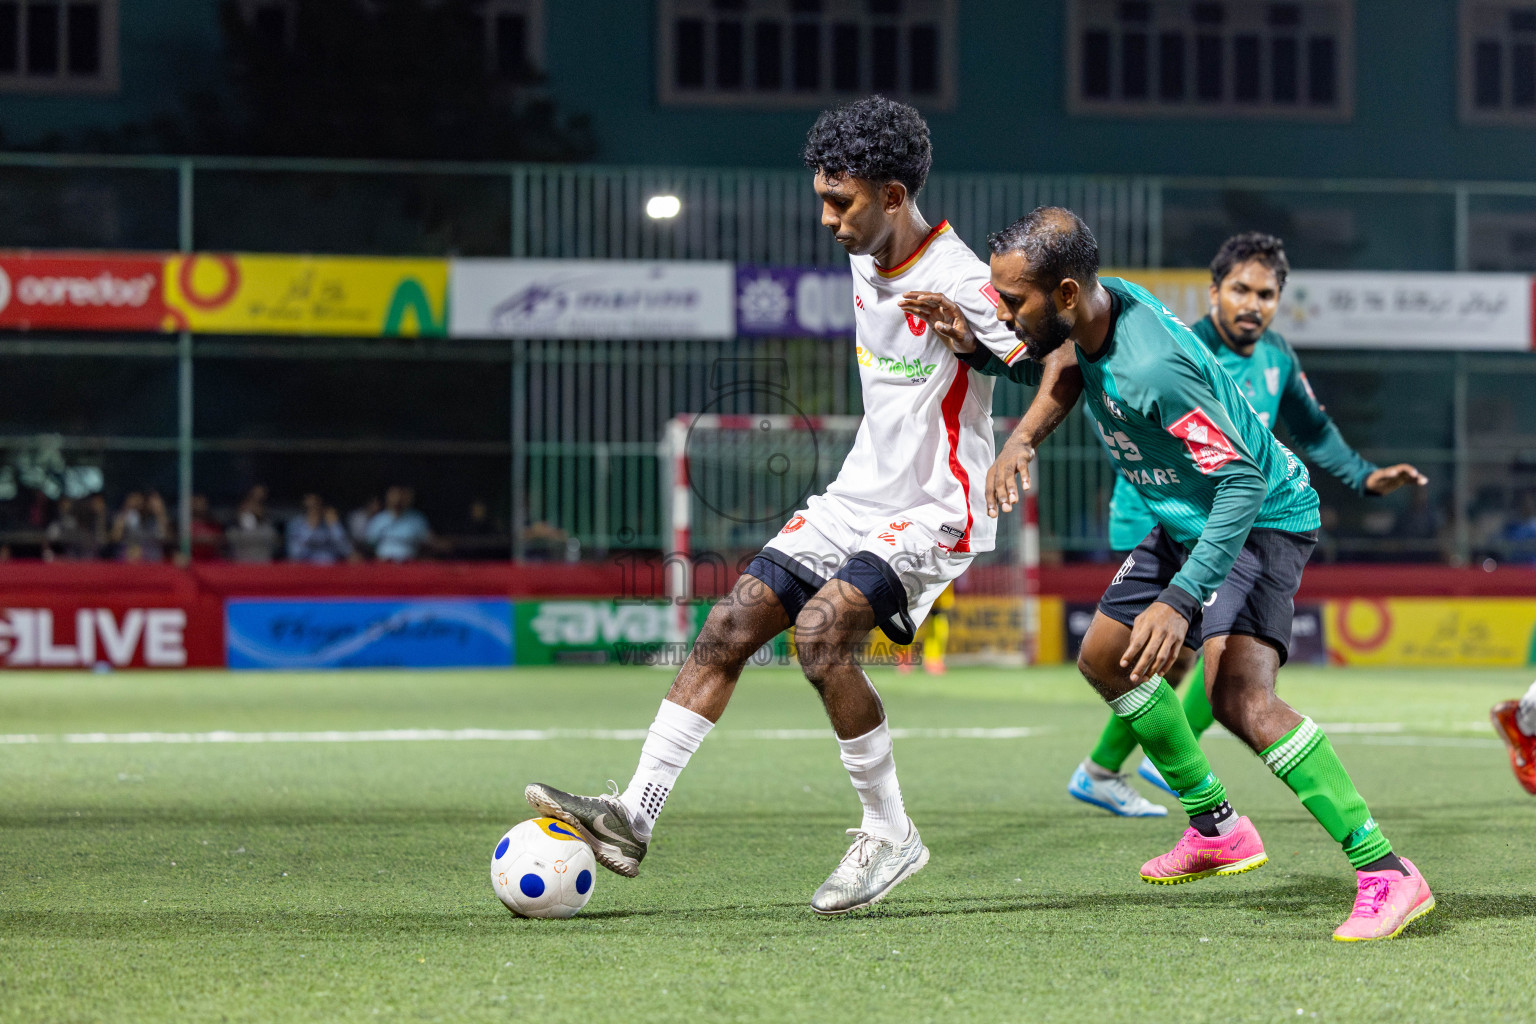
x=369, y=633
x=70, y=291
x=1187, y=293
x=1432, y=631
x=791, y=301
x=110, y=634
x=990, y=629
x=324, y=295
x=596, y=632
x=622, y=299
x=1406, y=310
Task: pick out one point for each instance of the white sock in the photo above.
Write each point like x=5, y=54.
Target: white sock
x=1525, y=715
x=675, y=735
x=871, y=765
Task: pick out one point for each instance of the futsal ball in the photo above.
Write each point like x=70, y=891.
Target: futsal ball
x=541, y=868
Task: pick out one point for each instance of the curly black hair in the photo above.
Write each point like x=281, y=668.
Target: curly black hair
x=1250, y=245
x=1056, y=242
x=874, y=138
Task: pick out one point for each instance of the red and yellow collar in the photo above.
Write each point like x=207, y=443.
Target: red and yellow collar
x=917, y=253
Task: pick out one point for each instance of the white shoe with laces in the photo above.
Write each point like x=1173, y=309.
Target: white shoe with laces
x=871, y=868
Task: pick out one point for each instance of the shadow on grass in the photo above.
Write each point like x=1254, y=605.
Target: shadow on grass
x=1309, y=896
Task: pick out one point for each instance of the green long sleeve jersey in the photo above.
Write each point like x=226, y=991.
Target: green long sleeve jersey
x=1183, y=434
x=1271, y=378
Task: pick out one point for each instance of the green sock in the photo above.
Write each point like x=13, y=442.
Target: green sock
x=1152, y=711
x=1115, y=745
x=1197, y=706
x=1304, y=760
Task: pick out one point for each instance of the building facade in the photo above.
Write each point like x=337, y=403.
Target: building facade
x=1297, y=88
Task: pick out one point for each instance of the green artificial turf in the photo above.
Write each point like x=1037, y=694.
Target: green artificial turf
x=350, y=881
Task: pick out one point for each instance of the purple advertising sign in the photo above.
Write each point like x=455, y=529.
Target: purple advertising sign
x=794, y=301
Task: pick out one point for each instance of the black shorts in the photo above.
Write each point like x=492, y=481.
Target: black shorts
x=1254, y=600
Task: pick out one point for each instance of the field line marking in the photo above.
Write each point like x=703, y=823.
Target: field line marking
x=478, y=735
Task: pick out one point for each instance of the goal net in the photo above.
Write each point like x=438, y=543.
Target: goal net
x=734, y=480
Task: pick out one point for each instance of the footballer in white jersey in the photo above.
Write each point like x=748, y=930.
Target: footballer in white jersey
x=908, y=504
x=903, y=519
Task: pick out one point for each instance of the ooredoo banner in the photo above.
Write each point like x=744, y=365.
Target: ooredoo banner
x=325, y=295
x=81, y=291
x=622, y=299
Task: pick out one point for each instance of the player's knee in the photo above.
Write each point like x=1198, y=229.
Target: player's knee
x=729, y=635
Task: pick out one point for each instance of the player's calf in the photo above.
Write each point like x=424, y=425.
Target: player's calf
x=1154, y=714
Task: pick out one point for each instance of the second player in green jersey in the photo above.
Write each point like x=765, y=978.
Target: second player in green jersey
x=1236, y=521
x=1248, y=275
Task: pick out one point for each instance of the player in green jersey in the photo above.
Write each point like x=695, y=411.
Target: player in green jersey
x=1236, y=520
x=1247, y=277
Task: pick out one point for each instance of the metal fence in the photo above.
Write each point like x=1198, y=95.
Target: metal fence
x=566, y=434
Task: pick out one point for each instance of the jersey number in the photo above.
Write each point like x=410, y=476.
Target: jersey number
x=1119, y=445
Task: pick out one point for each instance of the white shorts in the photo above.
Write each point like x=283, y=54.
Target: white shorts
x=912, y=548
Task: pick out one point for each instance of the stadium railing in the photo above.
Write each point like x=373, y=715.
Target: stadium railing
x=586, y=417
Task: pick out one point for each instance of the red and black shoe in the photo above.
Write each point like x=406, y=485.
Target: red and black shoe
x=1522, y=748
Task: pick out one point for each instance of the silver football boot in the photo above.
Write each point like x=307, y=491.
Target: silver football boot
x=600, y=820
x=870, y=869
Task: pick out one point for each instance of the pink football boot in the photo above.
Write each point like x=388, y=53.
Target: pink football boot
x=1197, y=856
x=1386, y=903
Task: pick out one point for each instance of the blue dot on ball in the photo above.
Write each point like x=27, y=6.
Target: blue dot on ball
x=501, y=847
x=531, y=885
x=583, y=881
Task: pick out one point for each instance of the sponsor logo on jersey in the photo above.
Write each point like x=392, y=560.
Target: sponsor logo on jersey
x=991, y=294
x=914, y=370
x=1150, y=477
x=1125, y=568
x=898, y=527
x=1207, y=445
x=889, y=538
x=1272, y=379
x=793, y=525
x=916, y=325
x=1113, y=407
x=953, y=531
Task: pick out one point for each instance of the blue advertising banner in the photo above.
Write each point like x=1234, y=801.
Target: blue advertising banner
x=801, y=302
x=369, y=633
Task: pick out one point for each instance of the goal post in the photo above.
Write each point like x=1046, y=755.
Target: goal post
x=731, y=480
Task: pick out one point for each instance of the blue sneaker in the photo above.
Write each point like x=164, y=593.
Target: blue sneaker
x=1113, y=794
x=1149, y=771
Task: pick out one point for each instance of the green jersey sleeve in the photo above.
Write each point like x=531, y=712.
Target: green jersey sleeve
x=1315, y=432
x=1025, y=371
x=1187, y=406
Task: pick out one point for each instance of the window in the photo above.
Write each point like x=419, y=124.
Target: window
x=514, y=38
x=58, y=46
x=804, y=53
x=1212, y=58
x=1498, y=62
x=275, y=22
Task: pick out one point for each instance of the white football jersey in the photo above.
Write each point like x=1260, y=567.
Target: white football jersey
x=925, y=444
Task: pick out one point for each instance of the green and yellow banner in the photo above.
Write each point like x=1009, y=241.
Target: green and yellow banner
x=237, y=293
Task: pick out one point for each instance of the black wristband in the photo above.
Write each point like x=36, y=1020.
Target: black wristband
x=1180, y=600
